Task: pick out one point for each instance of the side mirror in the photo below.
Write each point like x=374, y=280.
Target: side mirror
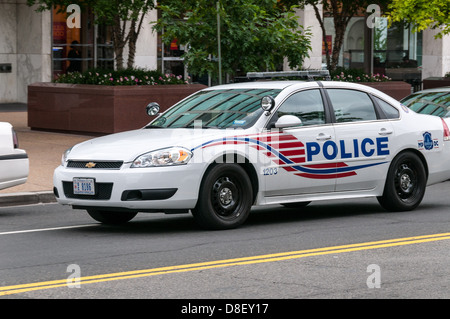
x=288, y=121
x=153, y=109
x=267, y=103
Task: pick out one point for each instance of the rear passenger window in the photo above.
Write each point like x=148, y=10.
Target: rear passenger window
x=351, y=106
x=390, y=111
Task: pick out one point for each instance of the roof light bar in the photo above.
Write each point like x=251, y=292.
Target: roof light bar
x=310, y=74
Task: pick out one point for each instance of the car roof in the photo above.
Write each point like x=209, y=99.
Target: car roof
x=261, y=85
x=285, y=84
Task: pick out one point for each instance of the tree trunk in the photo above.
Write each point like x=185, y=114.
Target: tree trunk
x=340, y=27
x=118, y=50
x=135, y=29
x=132, y=38
x=341, y=12
x=119, y=41
x=324, y=36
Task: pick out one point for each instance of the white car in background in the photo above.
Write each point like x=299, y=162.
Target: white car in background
x=226, y=148
x=14, y=163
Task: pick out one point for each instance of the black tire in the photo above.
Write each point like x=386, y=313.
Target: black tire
x=225, y=198
x=405, y=183
x=111, y=218
x=296, y=205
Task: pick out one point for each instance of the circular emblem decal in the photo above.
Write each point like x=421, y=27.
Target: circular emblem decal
x=427, y=141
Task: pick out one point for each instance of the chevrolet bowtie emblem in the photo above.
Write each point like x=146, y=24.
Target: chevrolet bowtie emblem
x=90, y=165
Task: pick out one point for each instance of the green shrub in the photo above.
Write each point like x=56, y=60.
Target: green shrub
x=122, y=77
x=357, y=75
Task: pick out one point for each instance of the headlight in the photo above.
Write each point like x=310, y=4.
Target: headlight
x=64, y=156
x=163, y=157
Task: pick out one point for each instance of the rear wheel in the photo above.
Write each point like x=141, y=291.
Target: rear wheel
x=225, y=197
x=111, y=218
x=405, y=183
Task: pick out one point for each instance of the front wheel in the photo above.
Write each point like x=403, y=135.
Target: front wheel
x=225, y=197
x=405, y=183
x=111, y=218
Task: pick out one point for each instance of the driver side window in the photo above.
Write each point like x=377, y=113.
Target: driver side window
x=306, y=105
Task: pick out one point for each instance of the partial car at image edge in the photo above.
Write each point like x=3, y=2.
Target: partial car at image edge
x=14, y=163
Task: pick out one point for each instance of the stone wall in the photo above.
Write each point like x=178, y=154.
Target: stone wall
x=25, y=45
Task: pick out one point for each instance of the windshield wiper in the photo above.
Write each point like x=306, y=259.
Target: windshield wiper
x=200, y=126
x=154, y=126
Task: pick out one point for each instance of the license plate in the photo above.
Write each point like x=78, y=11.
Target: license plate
x=84, y=186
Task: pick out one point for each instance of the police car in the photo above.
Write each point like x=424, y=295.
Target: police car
x=226, y=148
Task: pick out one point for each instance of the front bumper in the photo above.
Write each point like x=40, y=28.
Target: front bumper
x=139, y=189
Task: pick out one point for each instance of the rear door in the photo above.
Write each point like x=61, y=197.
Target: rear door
x=364, y=139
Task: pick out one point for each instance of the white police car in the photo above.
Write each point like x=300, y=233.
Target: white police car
x=14, y=163
x=226, y=148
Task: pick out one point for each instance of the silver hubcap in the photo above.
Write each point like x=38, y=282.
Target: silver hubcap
x=405, y=182
x=225, y=196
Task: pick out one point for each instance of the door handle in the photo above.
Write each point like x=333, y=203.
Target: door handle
x=323, y=137
x=385, y=131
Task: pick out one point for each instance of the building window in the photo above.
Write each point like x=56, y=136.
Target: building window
x=104, y=48
x=393, y=51
x=397, y=52
x=72, y=48
x=170, y=60
x=80, y=49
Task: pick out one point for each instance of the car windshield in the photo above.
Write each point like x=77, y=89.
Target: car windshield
x=434, y=103
x=232, y=108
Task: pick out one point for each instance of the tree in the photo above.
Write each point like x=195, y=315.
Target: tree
x=341, y=11
x=124, y=16
x=255, y=34
x=422, y=14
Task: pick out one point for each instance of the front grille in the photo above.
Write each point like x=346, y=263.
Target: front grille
x=102, y=191
x=98, y=165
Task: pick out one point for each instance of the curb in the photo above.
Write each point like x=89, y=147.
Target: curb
x=27, y=198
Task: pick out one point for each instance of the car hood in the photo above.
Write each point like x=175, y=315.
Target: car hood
x=127, y=146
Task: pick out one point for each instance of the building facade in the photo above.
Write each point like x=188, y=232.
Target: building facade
x=39, y=46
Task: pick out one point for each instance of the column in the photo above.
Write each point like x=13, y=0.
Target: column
x=436, y=54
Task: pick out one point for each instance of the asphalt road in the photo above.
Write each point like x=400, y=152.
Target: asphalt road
x=335, y=249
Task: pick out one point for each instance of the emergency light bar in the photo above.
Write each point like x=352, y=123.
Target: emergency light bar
x=310, y=74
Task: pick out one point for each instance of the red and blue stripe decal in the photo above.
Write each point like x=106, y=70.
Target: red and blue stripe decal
x=288, y=152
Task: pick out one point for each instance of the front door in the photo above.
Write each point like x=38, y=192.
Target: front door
x=300, y=155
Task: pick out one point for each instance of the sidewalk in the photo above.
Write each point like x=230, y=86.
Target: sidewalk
x=44, y=151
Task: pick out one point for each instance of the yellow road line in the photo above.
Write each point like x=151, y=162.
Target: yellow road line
x=15, y=289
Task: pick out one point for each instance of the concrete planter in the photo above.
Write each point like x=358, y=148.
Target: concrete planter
x=97, y=109
x=395, y=89
x=435, y=82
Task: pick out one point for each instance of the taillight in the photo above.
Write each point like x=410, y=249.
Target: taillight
x=446, y=130
x=15, y=139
